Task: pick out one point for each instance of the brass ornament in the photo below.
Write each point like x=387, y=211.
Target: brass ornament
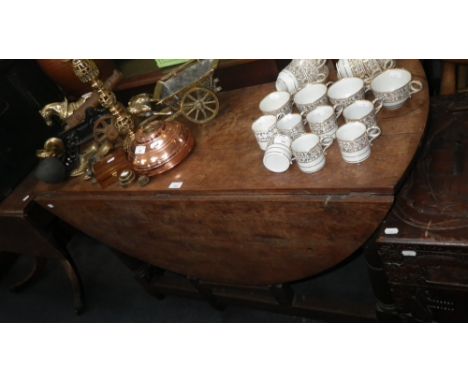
x=143, y=180
x=126, y=177
x=62, y=110
x=53, y=148
x=87, y=71
x=104, y=129
x=85, y=159
x=200, y=105
x=188, y=91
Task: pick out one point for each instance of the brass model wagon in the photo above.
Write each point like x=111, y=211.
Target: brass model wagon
x=189, y=90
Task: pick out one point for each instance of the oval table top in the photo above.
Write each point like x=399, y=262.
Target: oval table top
x=225, y=167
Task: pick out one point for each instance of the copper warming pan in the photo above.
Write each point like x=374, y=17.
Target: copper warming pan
x=159, y=146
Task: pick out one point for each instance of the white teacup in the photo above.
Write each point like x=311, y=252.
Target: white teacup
x=323, y=120
x=366, y=69
x=278, y=155
x=276, y=103
x=355, y=140
x=264, y=128
x=309, y=152
x=394, y=87
x=291, y=124
x=347, y=90
x=363, y=111
x=301, y=72
x=311, y=96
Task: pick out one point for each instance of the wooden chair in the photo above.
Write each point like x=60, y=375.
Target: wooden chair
x=453, y=77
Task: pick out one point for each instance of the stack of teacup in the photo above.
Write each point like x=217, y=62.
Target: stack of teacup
x=300, y=72
x=366, y=69
x=283, y=135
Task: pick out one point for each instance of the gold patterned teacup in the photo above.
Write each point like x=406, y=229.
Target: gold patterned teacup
x=363, y=111
x=311, y=96
x=309, y=152
x=292, y=125
x=300, y=72
x=354, y=140
x=323, y=120
x=276, y=103
x=347, y=90
x=394, y=87
x=365, y=69
x=264, y=128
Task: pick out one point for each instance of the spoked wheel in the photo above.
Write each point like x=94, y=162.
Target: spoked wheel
x=200, y=105
x=104, y=130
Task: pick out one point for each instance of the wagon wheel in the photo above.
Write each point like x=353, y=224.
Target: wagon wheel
x=104, y=130
x=199, y=105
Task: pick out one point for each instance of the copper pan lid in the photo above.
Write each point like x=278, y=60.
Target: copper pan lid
x=159, y=146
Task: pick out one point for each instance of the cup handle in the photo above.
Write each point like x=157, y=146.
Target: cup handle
x=338, y=110
x=322, y=63
x=279, y=116
x=321, y=77
x=373, y=133
x=389, y=64
x=415, y=87
x=326, y=143
x=378, y=103
x=329, y=83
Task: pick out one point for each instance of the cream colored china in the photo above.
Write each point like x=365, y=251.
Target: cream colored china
x=311, y=96
x=323, y=120
x=291, y=124
x=309, y=152
x=300, y=72
x=278, y=155
x=363, y=111
x=394, y=87
x=354, y=140
x=264, y=128
x=365, y=69
x=277, y=103
x=346, y=91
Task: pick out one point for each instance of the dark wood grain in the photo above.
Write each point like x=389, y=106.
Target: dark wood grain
x=243, y=239
x=226, y=157
x=430, y=213
x=233, y=221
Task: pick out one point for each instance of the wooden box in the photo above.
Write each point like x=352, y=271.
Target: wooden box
x=108, y=169
x=423, y=242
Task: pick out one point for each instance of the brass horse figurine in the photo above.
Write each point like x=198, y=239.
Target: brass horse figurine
x=63, y=109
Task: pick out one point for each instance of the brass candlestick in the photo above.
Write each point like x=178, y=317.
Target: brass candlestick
x=88, y=72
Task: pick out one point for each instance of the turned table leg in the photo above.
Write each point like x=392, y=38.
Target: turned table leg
x=38, y=267
x=75, y=280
